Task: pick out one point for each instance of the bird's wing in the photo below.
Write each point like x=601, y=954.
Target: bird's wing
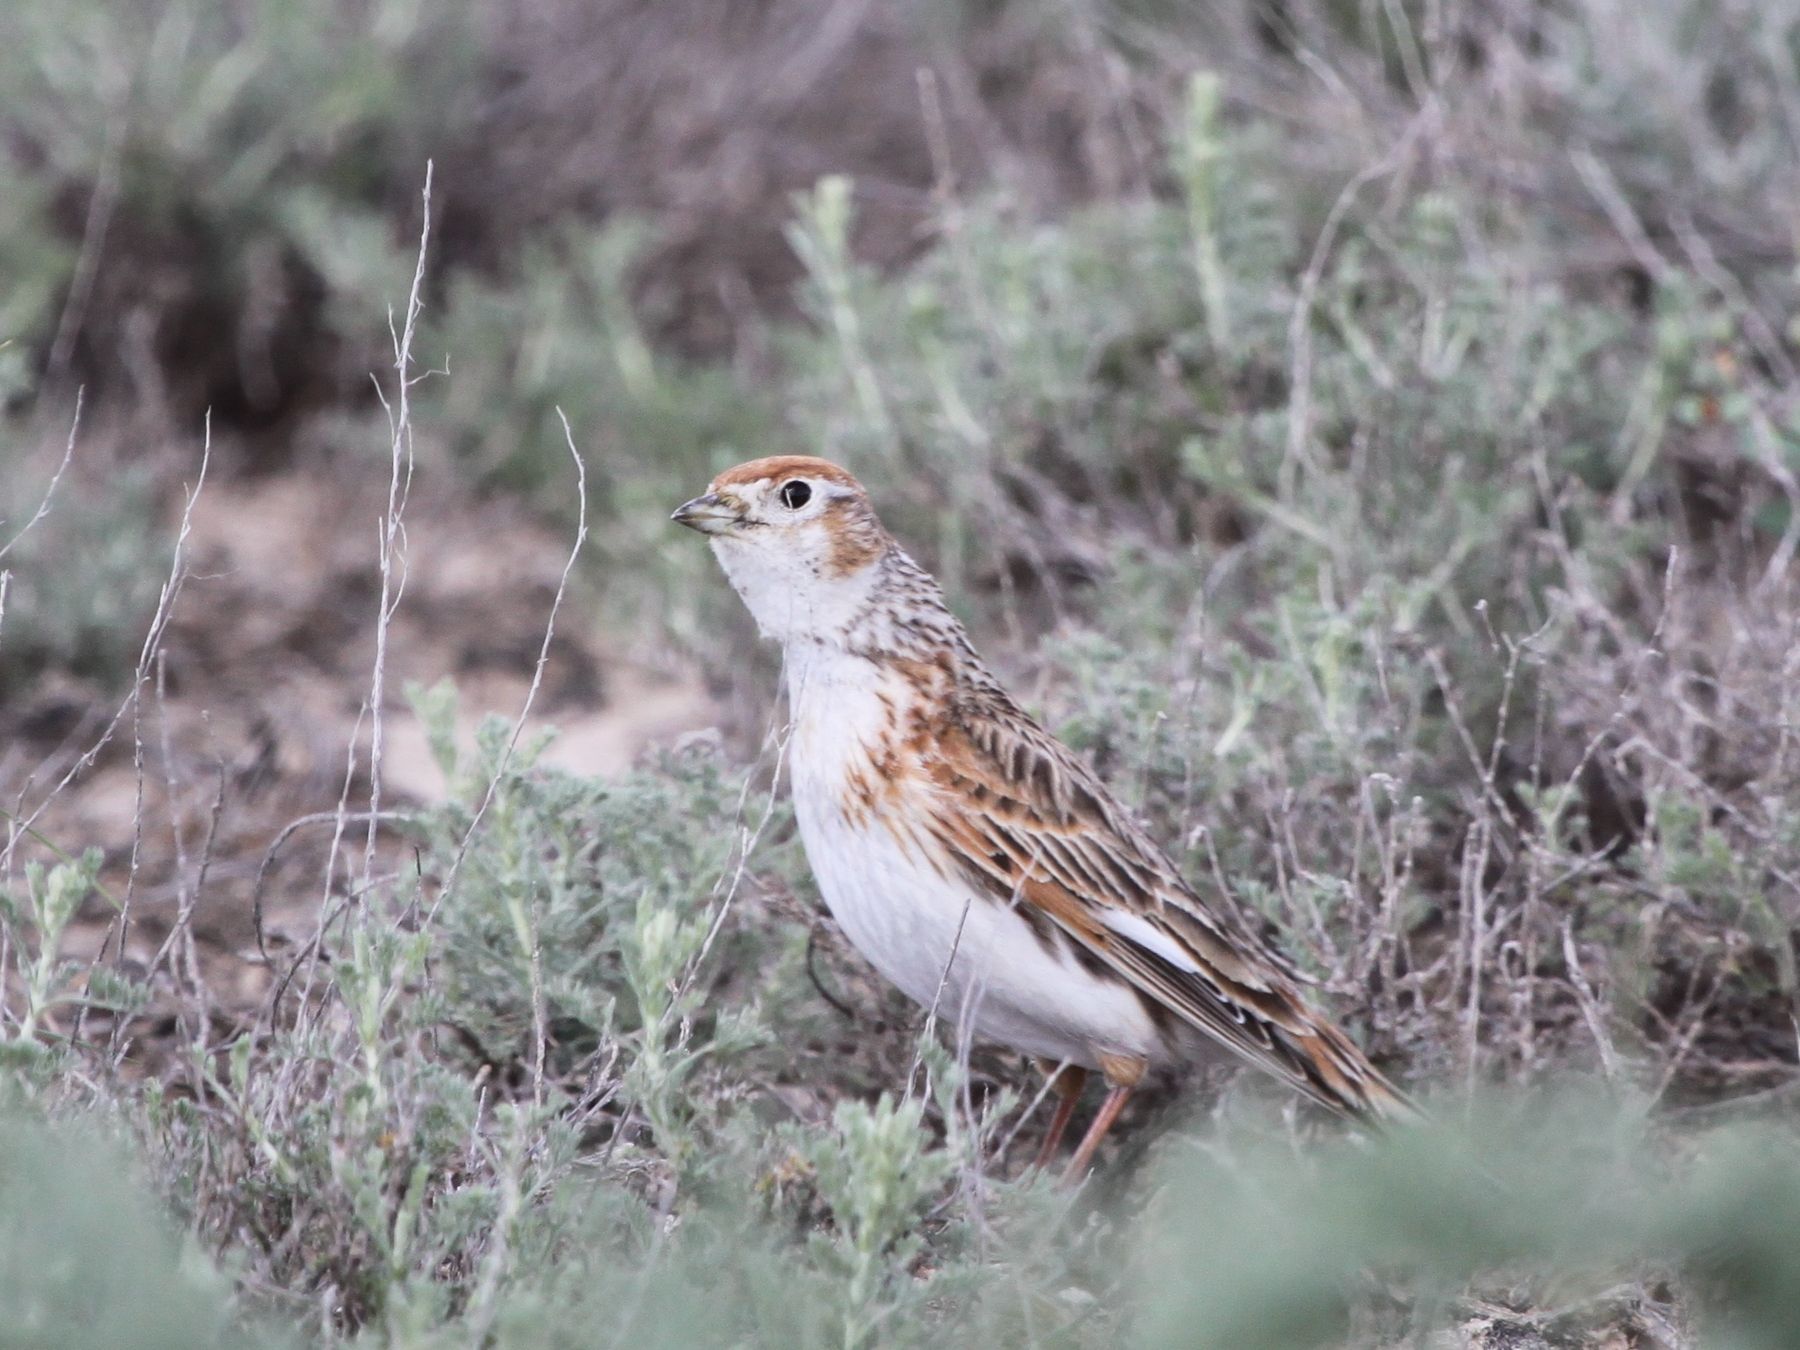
x=1032, y=826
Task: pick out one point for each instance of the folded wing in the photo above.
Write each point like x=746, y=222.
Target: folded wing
x=1033, y=827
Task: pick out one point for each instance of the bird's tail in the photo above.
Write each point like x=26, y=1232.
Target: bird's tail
x=1341, y=1077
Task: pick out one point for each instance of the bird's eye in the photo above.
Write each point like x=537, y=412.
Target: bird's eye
x=795, y=494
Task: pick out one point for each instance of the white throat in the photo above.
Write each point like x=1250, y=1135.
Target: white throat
x=792, y=594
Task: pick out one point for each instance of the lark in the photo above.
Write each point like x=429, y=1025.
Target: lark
x=972, y=858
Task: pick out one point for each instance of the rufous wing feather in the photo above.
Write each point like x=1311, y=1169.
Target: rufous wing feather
x=1035, y=828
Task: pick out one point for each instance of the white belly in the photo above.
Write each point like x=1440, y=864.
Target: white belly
x=970, y=958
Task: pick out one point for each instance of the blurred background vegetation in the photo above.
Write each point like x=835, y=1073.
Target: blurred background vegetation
x=1368, y=428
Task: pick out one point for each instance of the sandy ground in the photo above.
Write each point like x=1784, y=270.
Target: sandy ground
x=259, y=711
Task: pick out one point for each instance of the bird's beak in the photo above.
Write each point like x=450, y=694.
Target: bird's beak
x=709, y=514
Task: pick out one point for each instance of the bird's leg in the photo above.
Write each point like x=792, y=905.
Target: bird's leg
x=1103, y=1119
x=1122, y=1075
x=1067, y=1082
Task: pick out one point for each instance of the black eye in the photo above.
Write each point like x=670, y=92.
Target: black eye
x=795, y=494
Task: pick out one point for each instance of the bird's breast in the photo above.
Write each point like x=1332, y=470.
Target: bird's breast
x=846, y=750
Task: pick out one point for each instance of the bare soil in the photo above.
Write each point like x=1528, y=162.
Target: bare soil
x=258, y=714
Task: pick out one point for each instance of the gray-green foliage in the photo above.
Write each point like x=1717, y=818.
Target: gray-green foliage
x=1555, y=1216
x=89, y=1256
x=458, y=1048
x=1427, y=592
x=83, y=571
x=242, y=159
x=575, y=931
x=45, y=978
x=1543, y=1205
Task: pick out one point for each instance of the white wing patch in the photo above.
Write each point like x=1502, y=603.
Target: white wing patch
x=1135, y=928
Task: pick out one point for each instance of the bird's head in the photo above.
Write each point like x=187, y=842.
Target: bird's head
x=798, y=540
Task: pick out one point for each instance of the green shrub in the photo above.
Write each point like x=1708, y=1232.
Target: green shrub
x=1425, y=584
x=88, y=1256
x=240, y=167
x=82, y=578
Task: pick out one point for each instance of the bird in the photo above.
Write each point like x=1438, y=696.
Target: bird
x=972, y=858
